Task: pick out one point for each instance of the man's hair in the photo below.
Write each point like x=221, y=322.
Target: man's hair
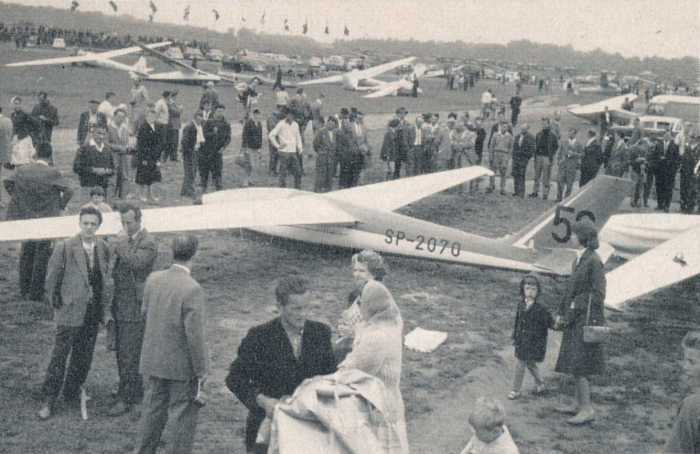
x=184, y=247
x=290, y=285
x=131, y=207
x=97, y=190
x=91, y=210
x=488, y=413
x=100, y=125
x=43, y=150
x=109, y=94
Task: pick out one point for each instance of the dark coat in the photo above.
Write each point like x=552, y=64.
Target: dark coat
x=132, y=266
x=88, y=157
x=523, y=153
x=22, y=124
x=546, y=144
x=388, y=152
x=586, y=283
x=189, y=139
x=147, y=153
x=84, y=125
x=530, y=331
x=37, y=191
x=592, y=156
x=266, y=364
x=252, y=135
x=44, y=128
x=217, y=135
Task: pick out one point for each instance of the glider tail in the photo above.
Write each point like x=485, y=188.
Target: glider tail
x=598, y=200
x=141, y=66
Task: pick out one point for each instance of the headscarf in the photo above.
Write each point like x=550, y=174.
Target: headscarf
x=377, y=306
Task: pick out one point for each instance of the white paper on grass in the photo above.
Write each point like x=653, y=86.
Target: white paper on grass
x=423, y=340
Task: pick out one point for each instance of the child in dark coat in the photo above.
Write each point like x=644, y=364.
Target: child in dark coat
x=532, y=320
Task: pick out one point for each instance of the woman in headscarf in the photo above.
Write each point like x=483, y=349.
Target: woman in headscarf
x=586, y=288
x=377, y=351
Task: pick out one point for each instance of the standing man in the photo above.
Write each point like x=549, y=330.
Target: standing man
x=135, y=254
x=217, y=136
x=174, y=357
x=210, y=96
x=480, y=138
x=251, y=143
x=515, y=103
x=174, y=114
x=88, y=120
x=325, y=146
x=162, y=125
x=5, y=145
x=286, y=139
x=349, y=153
x=45, y=117
x=591, y=160
x=22, y=130
x=605, y=121
x=500, y=147
x=523, y=149
x=37, y=191
x=106, y=107
x=94, y=163
x=192, y=142
x=271, y=122
x=667, y=160
x=486, y=99
x=274, y=358
x=76, y=286
x=569, y=160
x=402, y=144
x=138, y=99
x=316, y=115
x=546, y=145
x=278, y=80
x=118, y=132
x=414, y=161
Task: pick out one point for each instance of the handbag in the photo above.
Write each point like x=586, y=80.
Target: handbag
x=594, y=334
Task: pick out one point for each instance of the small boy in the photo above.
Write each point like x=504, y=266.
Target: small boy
x=97, y=196
x=532, y=320
x=491, y=435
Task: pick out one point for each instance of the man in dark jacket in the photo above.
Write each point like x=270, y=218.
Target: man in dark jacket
x=45, y=117
x=666, y=159
x=274, y=358
x=251, y=143
x=592, y=158
x=523, y=149
x=546, y=146
x=89, y=119
x=217, y=136
x=37, y=191
x=94, y=163
x=192, y=141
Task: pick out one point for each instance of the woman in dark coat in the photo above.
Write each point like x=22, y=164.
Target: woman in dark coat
x=586, y=287
x=147, y=154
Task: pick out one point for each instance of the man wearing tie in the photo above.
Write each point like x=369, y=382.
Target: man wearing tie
x=667, y=159
x=570, y=154
x=523, y=149
x=325, y=146
x=591, y=160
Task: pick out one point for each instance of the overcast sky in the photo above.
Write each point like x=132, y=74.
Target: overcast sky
x=666, y=28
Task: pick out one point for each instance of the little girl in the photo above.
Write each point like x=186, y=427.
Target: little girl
x=532, y=320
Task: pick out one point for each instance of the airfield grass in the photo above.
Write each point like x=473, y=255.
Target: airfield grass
x=636, y=397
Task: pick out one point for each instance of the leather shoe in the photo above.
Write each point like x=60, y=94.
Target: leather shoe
x=45, y=412
x=119, y=409
x=567, y=410
x=583, y=417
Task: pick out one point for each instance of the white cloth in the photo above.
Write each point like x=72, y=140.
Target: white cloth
x=286, y=137
x=501, y=445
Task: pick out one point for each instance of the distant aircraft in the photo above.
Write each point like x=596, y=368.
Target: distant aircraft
x=593, y=112
x=362, y=217
x=687, y=108
x=362, y=80
x=186, y=75
x=101, y=59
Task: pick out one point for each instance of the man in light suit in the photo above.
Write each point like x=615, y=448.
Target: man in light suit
x=274, y=358
x=174, y=357
x=569, y=160
x=325, y=146
x=77, y=287
x=38, y=191
x=135, y=254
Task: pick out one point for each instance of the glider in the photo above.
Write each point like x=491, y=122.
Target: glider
x=593, y=112
x=363, y=217
x=101, y=59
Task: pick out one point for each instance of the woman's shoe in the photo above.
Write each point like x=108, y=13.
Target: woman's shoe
x=583, y=417
x=514, y=395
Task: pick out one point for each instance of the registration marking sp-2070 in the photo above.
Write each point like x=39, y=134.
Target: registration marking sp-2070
x=423, y=243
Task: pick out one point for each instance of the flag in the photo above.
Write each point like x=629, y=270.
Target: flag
x=346, y=31
x=150, y=18
x=305, y=27
x=262, y=19
x=74, y=4
x=326, y=30
x=113, y=5
x=186, y=15
x=153, y=7
x=216, y=14
x=243, y=19
x=286, y=25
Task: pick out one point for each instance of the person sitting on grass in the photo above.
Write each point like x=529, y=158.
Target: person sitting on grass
x=97, y=197
x=532, y=320
x=491, y=435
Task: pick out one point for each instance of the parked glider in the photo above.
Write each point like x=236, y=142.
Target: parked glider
x=186, y=74
x=593, y=112
x=101, y=59
x=363, y=80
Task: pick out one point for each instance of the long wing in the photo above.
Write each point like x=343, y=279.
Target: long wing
x=673, y=261
x=90, y=56
x=591, y=112
x=189, y=73
x=387, y=89
x=338, y=78
x=363, y=74
x=167, y=59
x=299, y=210
x=394, y=194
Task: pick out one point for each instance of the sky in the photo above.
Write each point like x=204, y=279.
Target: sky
x=664, y=28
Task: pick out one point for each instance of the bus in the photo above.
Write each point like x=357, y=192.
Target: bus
x=687, y=108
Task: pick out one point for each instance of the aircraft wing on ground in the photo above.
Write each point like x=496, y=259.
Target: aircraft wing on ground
x=592, y=112
x=387, y=89
x=673, y=261
x=89, y=56
x=390, y=195
x=337, y=79
x=364, y=74
x=277, y=211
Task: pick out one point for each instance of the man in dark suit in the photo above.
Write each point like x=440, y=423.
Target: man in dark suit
x=667, y=161
x=76, y=286
x=37, y=190
x=349, y=154
x=523, y=149
x=89, y=119
x=569, y=160
x=217, y=136
x=591, y=160
x=45, y=117
x=274, y=358
x=174, y=357
x=325, y=146
x=192, y=141
x=135, y=254
x=605, y=121
x=94, y=161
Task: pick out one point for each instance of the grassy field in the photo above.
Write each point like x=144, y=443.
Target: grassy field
x=636, y=398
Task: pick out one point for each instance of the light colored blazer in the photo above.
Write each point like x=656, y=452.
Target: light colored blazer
x=67, y=278
x=174, y=344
